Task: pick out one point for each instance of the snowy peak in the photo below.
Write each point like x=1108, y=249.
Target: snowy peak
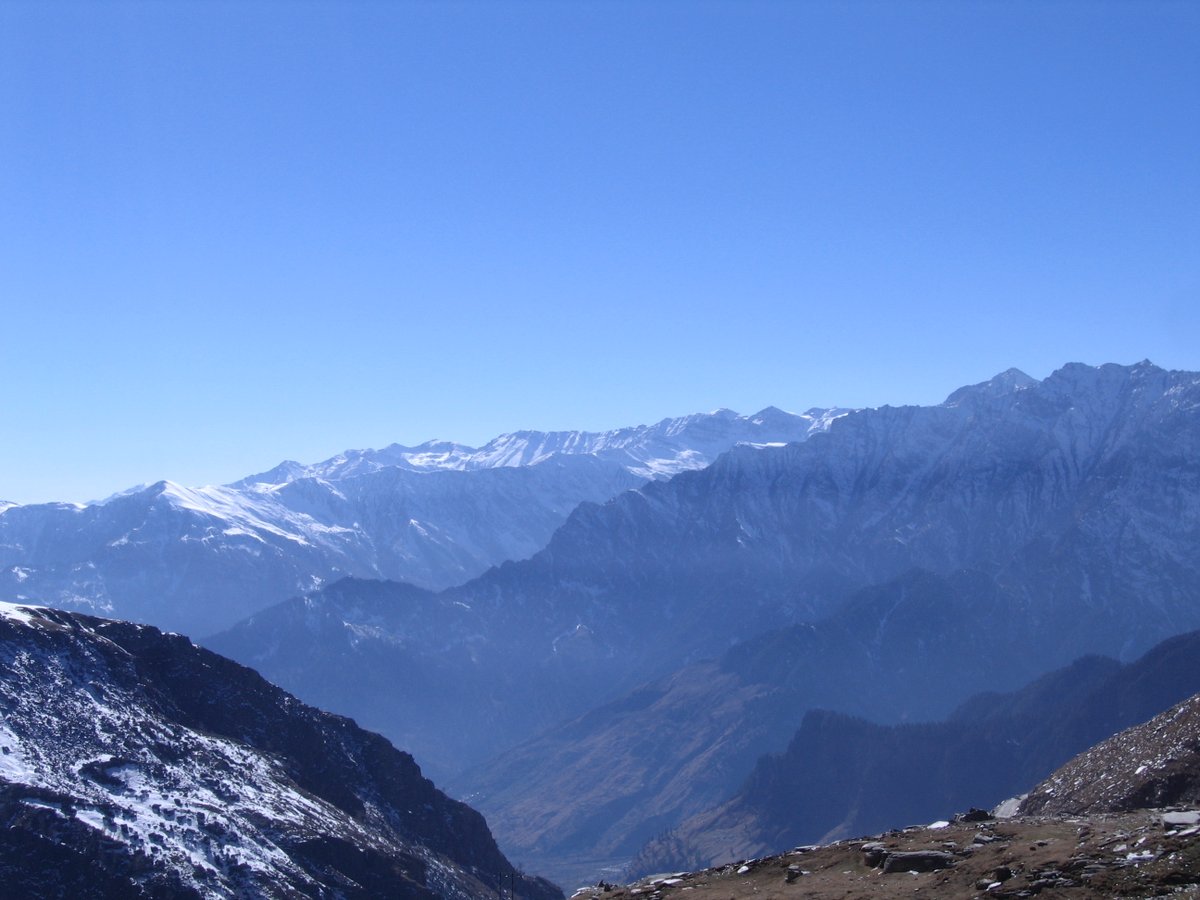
x=1081, y=382
x=429, y=456
x=1007, y=382
x=661, y=450
x=20, y=613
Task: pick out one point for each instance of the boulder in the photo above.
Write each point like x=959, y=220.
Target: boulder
x=917, y=861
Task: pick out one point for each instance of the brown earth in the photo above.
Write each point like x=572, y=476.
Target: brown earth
x=1116, y=855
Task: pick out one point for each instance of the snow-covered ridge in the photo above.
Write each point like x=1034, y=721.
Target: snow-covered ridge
x=661, y=450
x=22, y=613
x=198, y=559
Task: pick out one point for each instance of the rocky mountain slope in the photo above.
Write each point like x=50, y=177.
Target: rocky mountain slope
x=199, y=559
x=931, y=552
x=1153, y=764
x=842, y=776
x=135, y=764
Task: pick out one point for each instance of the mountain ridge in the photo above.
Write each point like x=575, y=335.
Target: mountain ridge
x=1006, y=533
x=199, y=559
x=842, y=775
x=639, y=448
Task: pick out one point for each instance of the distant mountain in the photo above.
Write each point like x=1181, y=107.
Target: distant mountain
x=907, y=651
x=891, y=567
x=842, y=776
x=199, y=559
x=654, y=451
x=134, y=764
x=1071, y=507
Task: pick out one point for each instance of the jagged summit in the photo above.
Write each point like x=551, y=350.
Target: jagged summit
x=1073, y=379
x=768, y=412
x=1007, y=382
x=1107, y=377
x=665, y=448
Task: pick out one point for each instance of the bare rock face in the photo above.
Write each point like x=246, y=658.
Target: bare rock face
x=1151, y=765
x=135, y=764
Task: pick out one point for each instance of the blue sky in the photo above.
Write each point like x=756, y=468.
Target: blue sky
x=232, y=233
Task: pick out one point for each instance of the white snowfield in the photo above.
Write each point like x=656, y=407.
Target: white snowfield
x=198, y=559
x=18, y=612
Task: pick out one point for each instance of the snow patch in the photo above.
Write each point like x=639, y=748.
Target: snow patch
x=23, y=613
x=1006, y=809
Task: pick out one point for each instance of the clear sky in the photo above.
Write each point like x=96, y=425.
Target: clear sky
x=233, y=233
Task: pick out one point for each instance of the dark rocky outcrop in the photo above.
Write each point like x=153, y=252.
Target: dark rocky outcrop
x=133, y=763
x=916, y=861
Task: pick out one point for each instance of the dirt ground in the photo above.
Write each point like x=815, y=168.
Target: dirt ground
x=1124, y=855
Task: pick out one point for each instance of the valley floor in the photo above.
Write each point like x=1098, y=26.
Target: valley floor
x=1148, y=853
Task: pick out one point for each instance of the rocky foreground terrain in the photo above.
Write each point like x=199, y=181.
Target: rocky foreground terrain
x=1148, y=853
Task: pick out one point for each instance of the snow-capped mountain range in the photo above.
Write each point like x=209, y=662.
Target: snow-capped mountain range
x=135, y=764
x=199, y=559
x=647, y=451
x=898, y=562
